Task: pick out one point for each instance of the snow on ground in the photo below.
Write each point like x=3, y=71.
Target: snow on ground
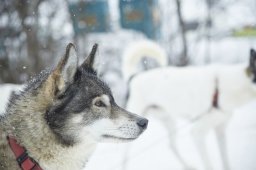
x=151, y=151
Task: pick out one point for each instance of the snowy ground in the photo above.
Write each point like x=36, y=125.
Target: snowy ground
x=151, y=150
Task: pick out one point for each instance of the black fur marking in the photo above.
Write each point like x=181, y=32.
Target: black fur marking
x=88, y=70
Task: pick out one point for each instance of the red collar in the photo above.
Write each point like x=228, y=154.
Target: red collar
x=25, y=162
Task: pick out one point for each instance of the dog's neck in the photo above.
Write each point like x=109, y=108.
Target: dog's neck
x=54, y=155
x=43, y=145
x=66, y=158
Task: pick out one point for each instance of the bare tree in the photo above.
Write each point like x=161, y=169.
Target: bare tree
x=25, y=47
x=31, y=31
x=208, y=25
x=184, y=56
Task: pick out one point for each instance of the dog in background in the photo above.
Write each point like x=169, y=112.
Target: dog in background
x=205, y=94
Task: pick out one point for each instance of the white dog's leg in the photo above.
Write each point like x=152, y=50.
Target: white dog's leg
x=198, y=133
x=221, y=139
x=175, y=151
x=170, y=125
x=200, y=144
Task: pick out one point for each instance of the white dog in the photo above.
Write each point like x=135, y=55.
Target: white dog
x=208, y=94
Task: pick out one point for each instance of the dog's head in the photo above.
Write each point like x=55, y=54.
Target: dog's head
x=252, y=65
x=83, y=105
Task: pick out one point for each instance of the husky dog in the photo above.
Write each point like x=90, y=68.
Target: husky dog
x=206, y=94
x=62, y=114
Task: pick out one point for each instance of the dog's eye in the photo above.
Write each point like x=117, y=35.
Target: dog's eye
x=100, y=104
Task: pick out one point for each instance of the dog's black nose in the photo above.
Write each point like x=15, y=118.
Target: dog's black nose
x=142, y=123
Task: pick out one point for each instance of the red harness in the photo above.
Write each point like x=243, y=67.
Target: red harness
x=24, y=161
x=215, y=99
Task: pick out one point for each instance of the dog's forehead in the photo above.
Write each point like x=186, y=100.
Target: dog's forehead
x=94, y=84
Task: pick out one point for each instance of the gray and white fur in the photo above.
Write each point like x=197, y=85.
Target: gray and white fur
x=62, y=114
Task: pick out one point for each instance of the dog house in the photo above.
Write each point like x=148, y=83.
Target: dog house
x=89, y=16
x=141, y=15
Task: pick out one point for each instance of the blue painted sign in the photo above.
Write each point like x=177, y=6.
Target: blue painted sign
x=90, y=16
x=141, y=15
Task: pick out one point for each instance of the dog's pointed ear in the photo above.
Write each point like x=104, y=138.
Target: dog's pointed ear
x=252, y=59
x=89, y=61
x=66, y=69
x=252, y=65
